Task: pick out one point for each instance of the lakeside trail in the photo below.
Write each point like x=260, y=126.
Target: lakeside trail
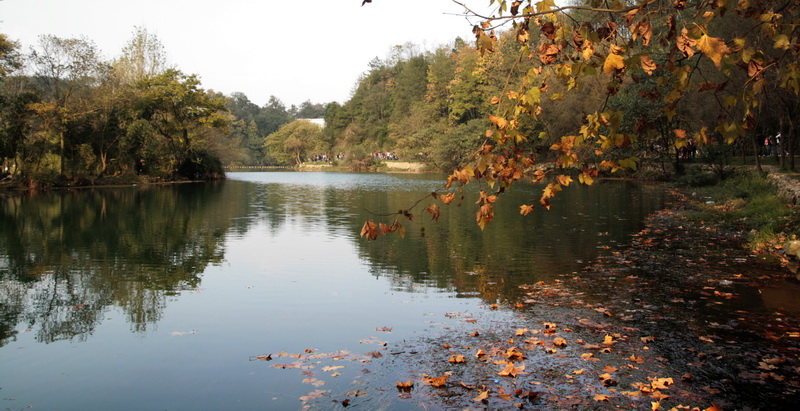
x=684, y=317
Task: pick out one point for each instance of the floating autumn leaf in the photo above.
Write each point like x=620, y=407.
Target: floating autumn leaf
x=332, y=368
x=482, y=396
x=610, y=369
x=687, y=377
x=480, y=354
x=386, y=329
x=601, y=397
x=520, y=332
x=648, y=339
x=456, y=359
x=706, y=339
x=313, y=395
x=511, y=370
x=579, y=372
x=608, y=379
x=609, y=340
x=514, y=354
x=405, y=386
x=661, y=383
x=437, y=382
x=267, y=357
x=636, y=359
x=559, y=342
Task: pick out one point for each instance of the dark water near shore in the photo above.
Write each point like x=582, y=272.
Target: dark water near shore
x=160, y=297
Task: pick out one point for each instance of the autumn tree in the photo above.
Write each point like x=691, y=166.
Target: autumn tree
x=66, y=69
x=680, y=47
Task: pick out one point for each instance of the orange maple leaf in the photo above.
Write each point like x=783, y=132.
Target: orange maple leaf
x=511, y=370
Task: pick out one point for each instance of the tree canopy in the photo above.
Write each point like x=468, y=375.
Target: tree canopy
x=657, y=74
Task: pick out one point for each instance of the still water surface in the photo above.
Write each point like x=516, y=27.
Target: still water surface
x=160, y=297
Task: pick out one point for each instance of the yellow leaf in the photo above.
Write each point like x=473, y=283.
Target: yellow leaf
x=782, y=42
x=613, y=62
x=713, y=47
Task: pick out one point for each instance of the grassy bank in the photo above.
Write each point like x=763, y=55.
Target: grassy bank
x=748, y=201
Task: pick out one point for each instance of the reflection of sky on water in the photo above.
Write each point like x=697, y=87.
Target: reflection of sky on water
x=280, y=267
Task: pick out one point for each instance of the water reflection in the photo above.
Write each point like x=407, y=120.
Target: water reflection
x=69, y=257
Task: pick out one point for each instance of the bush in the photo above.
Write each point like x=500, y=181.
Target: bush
x=201, y=165
x=697, y=177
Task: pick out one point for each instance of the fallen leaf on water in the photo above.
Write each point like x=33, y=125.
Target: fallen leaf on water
x=405, y=386
x=579, y=372
x=661, y=383
x=520, y=332
x=706, y=339
x=387, y=329
x=358, y=393
x=636, y=359
x=608, y=379
x=267, y=357
x=609, y=368
x=482, y=396
x=511, y=370
x=648, y=339
x=560, y=342
x=713, y=407
x=456, y=359
x=655, y=406
x=313, y=395
x=687, y=377
x=609, y=340
x=436, y=381
x=331, y=368
x=601, y=397
x=514, y=354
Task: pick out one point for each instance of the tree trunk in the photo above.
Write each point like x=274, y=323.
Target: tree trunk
x=756, y=149
x=790, y=142
x=61, y=153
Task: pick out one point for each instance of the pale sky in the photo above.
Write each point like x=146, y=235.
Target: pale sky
x=296, y=50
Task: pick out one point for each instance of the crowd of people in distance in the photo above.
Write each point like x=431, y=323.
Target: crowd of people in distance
x=324, y=158
x=385, y=155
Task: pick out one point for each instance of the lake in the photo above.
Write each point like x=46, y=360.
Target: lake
x=164, y=297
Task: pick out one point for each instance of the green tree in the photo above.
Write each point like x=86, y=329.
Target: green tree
x=182, y=115
x=294, y=141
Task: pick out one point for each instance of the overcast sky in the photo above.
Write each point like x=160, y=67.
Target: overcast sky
x=295, y=50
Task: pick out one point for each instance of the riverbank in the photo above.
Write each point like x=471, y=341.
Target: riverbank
x=687, y=316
